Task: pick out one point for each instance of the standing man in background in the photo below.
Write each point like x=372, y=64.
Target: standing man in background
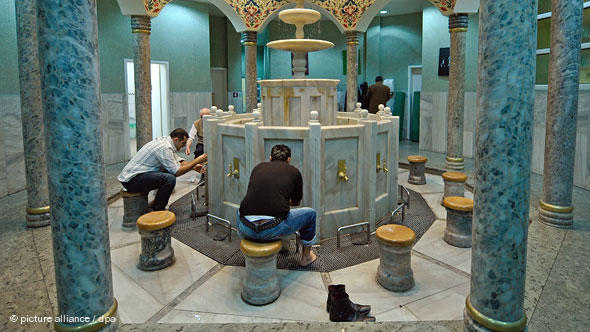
x=197, y=129
x=378, y=94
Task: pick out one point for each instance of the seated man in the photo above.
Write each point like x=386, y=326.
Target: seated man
x=265, y=213
x=197, y=129
x=156, y=166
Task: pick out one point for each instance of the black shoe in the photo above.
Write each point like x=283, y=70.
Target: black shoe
x=342, y=310
x=334, y=289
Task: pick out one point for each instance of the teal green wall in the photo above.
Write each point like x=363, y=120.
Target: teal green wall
x=180, y=35
x=234, y=59
x=397, y=41
x=9, y=70
x=436, y=35
x=218, y=41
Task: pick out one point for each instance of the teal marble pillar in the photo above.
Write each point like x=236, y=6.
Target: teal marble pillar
x=32, y=114
x=456, y=101
x=505, y=102
x=68, y=53
x=556, y=207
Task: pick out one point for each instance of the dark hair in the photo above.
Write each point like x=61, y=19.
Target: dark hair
x=280, y=152
x=378, y=79
x=179, y=133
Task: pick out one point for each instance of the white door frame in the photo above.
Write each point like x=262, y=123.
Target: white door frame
x=167, y=90
x=408, y=109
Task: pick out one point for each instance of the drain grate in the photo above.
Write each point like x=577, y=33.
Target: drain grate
x=191, y=231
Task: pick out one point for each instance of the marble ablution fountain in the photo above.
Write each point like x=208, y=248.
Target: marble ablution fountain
x=348, y=160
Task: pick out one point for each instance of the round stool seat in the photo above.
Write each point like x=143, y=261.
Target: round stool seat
x=125, y=193
x=458, y=203
x=454, y=176
x=155, y=220
x=396, y=235
x=417, y=159
x=260, y=249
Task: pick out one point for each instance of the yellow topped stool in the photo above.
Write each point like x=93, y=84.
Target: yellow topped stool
x=156, y=244
x=134, y=205
x=459, y=219
x=454, y=184
x=395, y=246
x=417, y=165
x=260, y=285
x=459, y=203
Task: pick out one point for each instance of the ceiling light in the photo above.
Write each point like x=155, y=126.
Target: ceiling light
x=383, y=12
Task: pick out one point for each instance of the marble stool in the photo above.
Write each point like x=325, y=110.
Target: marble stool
x=156, y=248
x=417, y=164
x=134, y=206
x=459, y=216
x=260, y=285
x=395, y=252
x=454, y=184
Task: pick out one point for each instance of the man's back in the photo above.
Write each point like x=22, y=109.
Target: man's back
x=378, y=94
x=272, y=186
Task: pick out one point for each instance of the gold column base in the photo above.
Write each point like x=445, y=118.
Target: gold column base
x=455, y=160
x=555, y=208
x=39, y=210
x=98, y=323
x=493, y=324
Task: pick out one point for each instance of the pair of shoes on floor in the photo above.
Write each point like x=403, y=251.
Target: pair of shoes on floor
x=341, y=309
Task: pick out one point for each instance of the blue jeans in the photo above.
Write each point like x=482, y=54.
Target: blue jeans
x=144, y=182
x=299, y=219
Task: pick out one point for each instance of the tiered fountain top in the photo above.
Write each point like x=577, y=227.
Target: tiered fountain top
x=300, y=17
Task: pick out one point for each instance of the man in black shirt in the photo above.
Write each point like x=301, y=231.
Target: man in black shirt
x=265, y=211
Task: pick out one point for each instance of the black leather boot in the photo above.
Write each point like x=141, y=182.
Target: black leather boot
x=342, y=310
x=333, y=289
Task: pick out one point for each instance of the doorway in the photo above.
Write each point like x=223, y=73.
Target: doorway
x=414, y=85
x=219, y=87
x=160, y=100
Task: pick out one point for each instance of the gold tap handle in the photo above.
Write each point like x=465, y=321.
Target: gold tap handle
x=230, y=171
x=385, y=166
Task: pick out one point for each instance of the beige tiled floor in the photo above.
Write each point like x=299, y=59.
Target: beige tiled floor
x=196, y=290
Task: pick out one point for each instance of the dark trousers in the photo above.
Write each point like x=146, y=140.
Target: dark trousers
x=199, y=150
x=162, y=181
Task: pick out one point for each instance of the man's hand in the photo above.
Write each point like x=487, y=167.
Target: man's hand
x=198, y=168
x=188, y=147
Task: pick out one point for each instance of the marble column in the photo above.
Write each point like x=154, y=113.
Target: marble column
x=32, y=114
x=70, y=83
x=249, y=38
x=352, y=43
x=556, y=207
x=505, y=103
x=141, y=27
x=455, y=102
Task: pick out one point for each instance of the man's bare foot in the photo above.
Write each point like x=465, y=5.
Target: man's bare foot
x=308, y=259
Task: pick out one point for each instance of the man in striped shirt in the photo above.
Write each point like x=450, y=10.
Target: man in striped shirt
x=156, y=166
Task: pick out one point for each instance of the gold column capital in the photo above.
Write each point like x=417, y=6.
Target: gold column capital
x=141, y=24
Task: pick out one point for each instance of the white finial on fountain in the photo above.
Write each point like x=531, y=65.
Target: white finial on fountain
x=213, y=109
x=358, y=107
x=380, y=107
x=313, y=116
x=256, y=114
x=364, y=114
x=259, y=106
x=387, y=111
x=230, y=110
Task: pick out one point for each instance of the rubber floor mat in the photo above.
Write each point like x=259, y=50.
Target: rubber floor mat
x=354, y=249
